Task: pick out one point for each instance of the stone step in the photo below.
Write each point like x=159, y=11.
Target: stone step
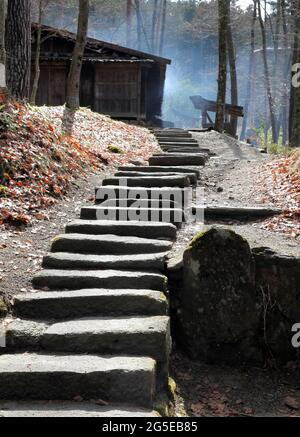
x=137, y=336
x=148, y=169
x=180, y=153
x=187, y=150
x=238, y=213
x=171, y=160
x=177, y=148
x=187, y=138
x=169, y=134
x=139, y=203
x=180, y=147
x=59, y=305
x=70, y=409
x=114, y=279
x=146, y=215
x=118, y=192
x=122, y=174
x=124, y=335
x=136, y=229
x=183, y=144
x=149, y=181
x=73, y=261
x=34, y=376
x=108, y=244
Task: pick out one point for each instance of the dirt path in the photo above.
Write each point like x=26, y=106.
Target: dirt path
x=22, y=249
x=205, y=390
x=231, y=179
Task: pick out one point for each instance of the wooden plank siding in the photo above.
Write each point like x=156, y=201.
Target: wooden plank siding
x=52, y=84
x=118, y=91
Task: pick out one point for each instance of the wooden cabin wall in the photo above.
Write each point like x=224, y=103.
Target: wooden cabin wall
x=155, y=91
x=52, y=84
x=87, y=84
x=117, y=90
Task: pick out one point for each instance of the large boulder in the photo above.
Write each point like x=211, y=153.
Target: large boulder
x=218, y=315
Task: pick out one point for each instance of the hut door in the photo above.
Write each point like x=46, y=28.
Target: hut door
x=117, y=91
x=52, y=85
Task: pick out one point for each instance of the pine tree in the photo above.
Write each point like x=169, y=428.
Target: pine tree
x=18, y=48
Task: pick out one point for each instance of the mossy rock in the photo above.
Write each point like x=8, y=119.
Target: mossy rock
x=218, y=304
x=115, y=149
x=3, y=308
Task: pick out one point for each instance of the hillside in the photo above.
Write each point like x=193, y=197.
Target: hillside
x=42, y=150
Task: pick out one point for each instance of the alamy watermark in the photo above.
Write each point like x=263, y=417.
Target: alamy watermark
x=172, y=205
x=296, y=75
x=2, y=335
x=296, y=336
x=2, y=76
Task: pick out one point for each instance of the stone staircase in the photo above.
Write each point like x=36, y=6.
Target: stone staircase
x=97, y=328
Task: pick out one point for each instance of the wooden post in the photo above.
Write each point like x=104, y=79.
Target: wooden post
x=139, y=93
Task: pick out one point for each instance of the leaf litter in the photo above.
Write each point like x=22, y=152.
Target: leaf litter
x=45, y=149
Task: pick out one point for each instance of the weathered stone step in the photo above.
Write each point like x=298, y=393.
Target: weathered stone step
x=139, y=203
x=137, y=336
x=181, y=153
x=144, y=261
x=187, y=150
x=165, y=215
x=148, y=169
x=118, y=192
x=114, y=279
x=169, y=134
x=70, y=409
x=149, y=181
x=171, y=160
x=59, y=305
x=141, y=335
x=192, y=177
x=63, y=377
x=190, y=143
x=236, y=212
x=175, y=138
x=136, y=229
x=108, y=244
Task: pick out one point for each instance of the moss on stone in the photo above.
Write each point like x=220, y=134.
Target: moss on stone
x=3, y=308
x=172, y=388
x=196, y=238
x=115, y=149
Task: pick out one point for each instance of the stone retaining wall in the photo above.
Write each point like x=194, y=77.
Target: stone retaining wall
x=244, y=313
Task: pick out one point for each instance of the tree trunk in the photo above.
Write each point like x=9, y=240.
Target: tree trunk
x=267, y=78
x=3, y=89
x=233, y=74
x=138, y=24
x=129, y=23
x=37, y=56
x=287, y=67
x=18, y=46
x=250, y=75
x=154, y=26
x=73, y=84
x=163, y=26
x=295, y=88
x=219, y=124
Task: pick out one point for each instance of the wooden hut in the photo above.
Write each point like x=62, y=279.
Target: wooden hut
x=117, y=81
